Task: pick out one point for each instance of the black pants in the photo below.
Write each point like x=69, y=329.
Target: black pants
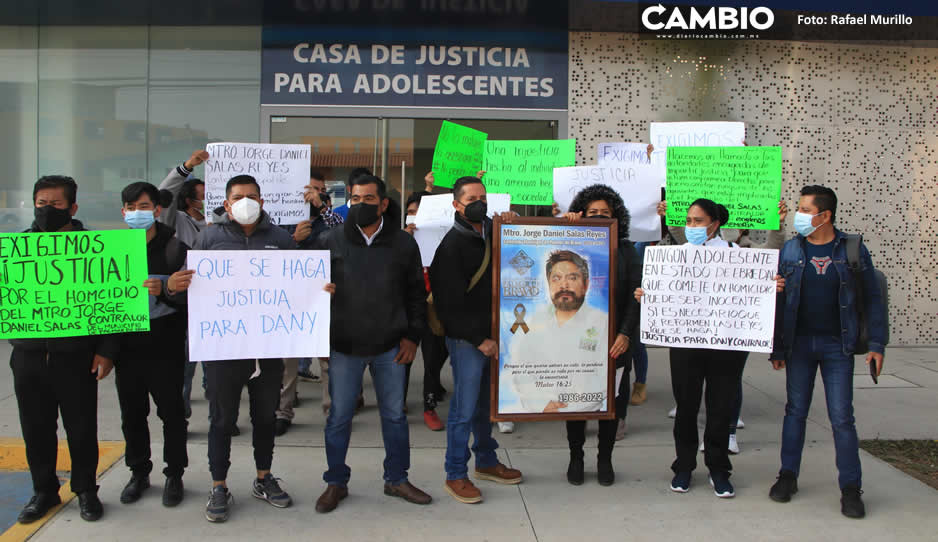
x=690, y=368
x=224, y=380
x=139, y=376
x=434, y=357
x=45, y=383
x=576, y=437
x=624, y=395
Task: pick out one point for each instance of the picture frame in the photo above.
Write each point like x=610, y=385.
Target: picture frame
x=575, y=323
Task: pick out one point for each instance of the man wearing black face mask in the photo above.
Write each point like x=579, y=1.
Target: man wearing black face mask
x=52, y=375
x=378, y=316
x=461, y=281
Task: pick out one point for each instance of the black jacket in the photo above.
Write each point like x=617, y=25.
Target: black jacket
x=166, y=254
x=466, y=316
x=380, y=297
x=102, y=345
x=628, y=278
x=230, y=236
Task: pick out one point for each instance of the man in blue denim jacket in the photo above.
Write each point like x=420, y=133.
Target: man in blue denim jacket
x=817, y=325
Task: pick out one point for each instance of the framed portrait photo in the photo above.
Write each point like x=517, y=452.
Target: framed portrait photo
x=554, y=319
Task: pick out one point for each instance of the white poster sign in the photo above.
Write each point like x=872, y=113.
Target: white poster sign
x=247, y=304
x=434, y=218
x=637, y=184
x=281, y=171
x=636, y=155
x=697, y=134
x=709, y=297
x=497, y=204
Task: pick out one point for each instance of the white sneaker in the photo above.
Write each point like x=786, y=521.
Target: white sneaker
x=672, y=413
x=701, y=446
x=734, y=446
x=621, y=429
x=506, y=427
x=740, y=424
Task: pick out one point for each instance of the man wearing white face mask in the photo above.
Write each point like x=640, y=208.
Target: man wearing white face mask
x=250, y=229
x=152, y=363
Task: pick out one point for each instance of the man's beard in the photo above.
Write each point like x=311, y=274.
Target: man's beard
x=565, y=305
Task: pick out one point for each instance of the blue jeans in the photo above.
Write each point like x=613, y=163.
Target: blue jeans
x=640, y=362
x=837, y=374
x=305, y=365
x=468, y=411
x=345, y=385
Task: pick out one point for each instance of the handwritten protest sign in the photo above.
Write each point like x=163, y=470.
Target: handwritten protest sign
x=458, y=153
x=247, y=304
x=71, y=284
x=636, y=154
x=639, y=190
x=281, y=171
x=747, y=180
x=524, y=169
x=697, y=134
x=709, y=297
x=497, y=204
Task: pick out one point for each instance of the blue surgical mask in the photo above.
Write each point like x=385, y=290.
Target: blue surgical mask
x=139, y=220
x=696, y=235
x=803, y=223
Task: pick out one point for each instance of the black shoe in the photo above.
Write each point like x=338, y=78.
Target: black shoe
x=851, y=505
x=90, y=506
x=38, y=506
x=173, y=491
x=235, y=432
x=605, y=472
x=785, y=487
x=281, y=426
x=307, y=376
x=575, y=470
x=134, y=488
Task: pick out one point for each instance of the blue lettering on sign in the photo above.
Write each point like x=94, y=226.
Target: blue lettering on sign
x=498, y=69
x=308, y=268
x=221, y=328
x=294, y=323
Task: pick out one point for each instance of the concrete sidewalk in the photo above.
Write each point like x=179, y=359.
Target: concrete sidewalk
x=545, y=508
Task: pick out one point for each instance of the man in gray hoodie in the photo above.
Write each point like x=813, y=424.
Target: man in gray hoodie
x=250, y=228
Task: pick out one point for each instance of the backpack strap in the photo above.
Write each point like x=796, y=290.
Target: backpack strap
x=485, y=263
x=853, y=251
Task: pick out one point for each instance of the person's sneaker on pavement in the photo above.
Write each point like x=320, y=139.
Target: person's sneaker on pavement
x=506, y=427
x=89, y=505
x=173, y=491
x=740, y=424
x=681, y=482
x=219, y=504
x=269, y=490
x=432, y=420
x=639, y=394
x=135, y=487
x=783, y=488
x=463, y=491
x=499, y=474
x=851, y=504
x=721, y=485
x=38, y=506
x=307, y=376
x=733, y=447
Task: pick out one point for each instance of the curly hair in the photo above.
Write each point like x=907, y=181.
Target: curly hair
x=597, y=192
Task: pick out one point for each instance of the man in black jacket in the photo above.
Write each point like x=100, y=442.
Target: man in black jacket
x=250, y=228
x=378, y=315
x=53, y=375
x=466, y=315
x=152, y=363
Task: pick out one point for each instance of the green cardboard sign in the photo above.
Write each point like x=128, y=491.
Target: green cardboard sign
x=458, y=153
x=525, y=169
x=70, y=284
x=747, y=180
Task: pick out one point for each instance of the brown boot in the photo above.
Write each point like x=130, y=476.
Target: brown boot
x=329, y=500
x=408, y=492
x=463, y=491
x=639, y=394
x=499, y=473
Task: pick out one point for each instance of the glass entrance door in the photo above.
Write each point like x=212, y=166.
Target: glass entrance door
x=398, y=150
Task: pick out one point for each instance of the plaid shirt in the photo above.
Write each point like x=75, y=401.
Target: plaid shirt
x=330, y=218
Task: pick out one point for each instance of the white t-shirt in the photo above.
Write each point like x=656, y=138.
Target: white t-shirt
x=583, y=340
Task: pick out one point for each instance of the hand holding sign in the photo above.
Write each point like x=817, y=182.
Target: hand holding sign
x=180, y=281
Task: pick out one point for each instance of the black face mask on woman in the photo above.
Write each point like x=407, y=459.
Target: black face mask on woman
x=363, y=214
x=476, y=211
x=50, y=218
